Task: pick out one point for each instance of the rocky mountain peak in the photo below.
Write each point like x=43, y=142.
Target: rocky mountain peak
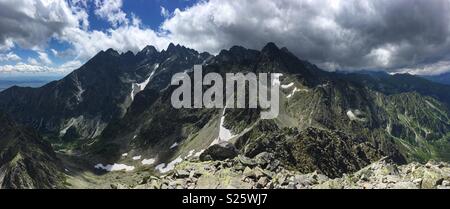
x=112, y=52
x=128, y=53
x=237, y=49
x=237, y=54
x=270, y=48
x=173, y=48
x=148, y=50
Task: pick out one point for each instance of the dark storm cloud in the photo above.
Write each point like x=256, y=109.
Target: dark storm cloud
x=29, y=25
x=395, y=35
x=418, y=30
x=350, y=34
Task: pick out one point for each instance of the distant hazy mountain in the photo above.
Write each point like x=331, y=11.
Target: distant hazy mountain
x=442, y=78
x=27, y=81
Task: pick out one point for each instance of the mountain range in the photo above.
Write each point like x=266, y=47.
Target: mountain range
x=443, y=78
x=7, y=82
x=115, y=113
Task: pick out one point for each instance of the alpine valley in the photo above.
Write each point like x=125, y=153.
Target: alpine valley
x=110, y=124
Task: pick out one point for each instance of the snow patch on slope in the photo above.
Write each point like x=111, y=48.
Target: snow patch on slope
x=174, y=145
x=224, y=133
x=355, y=115
x=132, y=91
x=79, y=89
x=296, y=90
x=197, y=154
x=138, y=87
x=114, y=167
x=71, y=122
x=351, y=115
x=150, y=161
x=287, y=86
x=141, y=86
x=190, y=154
x=163, y=168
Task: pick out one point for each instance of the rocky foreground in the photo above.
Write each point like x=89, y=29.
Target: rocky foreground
x=263, y=172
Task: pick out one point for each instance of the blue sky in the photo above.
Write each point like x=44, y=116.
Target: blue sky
x=55, y=37
x=149, y=11
x=59, y=52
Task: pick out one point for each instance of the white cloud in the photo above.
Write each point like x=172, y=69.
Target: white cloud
x=31, y=23
x=85, y=43
x=80, y=2
x=351, y=34
x=123, y=38
x=70, y=66
x=9, y=57
x=111, y=11
x=32, y=61
x=396, y=35
x=7, y=45
x=78, y=8
x=43, y=57
x=25, y=68
x=427, y=69
x=36, y=67
x=164, y=12
x=54, y=52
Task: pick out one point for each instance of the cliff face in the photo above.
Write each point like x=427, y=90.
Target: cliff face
x=26, y=161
